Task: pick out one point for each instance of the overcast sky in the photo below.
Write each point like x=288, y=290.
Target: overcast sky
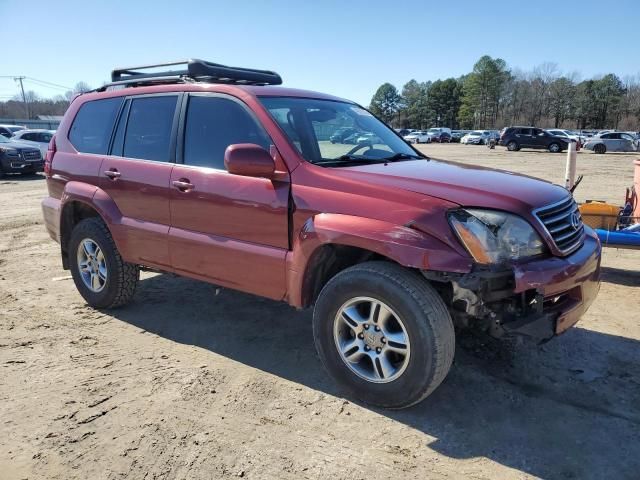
x=346, y=48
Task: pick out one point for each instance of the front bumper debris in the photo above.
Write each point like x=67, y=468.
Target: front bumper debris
x=537, y=299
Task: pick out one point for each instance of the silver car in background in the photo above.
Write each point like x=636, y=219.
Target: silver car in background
x=613, y=142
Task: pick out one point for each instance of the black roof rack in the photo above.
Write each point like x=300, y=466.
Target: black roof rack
x=195, y=70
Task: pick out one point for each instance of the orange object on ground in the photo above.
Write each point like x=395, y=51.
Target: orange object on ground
x=600, y=214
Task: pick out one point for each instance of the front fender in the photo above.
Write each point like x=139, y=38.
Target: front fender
x=403, y=245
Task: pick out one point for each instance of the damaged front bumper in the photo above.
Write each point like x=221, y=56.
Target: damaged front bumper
x=538, y=299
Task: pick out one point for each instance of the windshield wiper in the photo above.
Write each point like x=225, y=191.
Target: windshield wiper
x=350, y=160
x=402, y=156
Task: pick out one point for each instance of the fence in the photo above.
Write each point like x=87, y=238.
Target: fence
x=46, y=124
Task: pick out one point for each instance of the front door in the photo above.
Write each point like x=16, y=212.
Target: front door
x=136, y=176
x=228, y=229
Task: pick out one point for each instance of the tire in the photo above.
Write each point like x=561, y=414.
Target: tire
x=600, y=148
x=513, y=146
x=120, y=279
x=555, y=148
x=425, y=325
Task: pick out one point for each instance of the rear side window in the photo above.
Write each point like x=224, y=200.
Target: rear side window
x=91, y=129
x=214, y=123
x=149, y=127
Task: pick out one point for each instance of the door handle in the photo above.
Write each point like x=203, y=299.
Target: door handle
x=183, y=185
x=113, y=174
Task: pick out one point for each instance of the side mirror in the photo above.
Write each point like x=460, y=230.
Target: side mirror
x=249, y=160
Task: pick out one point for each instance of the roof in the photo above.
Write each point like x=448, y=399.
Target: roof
x=231, y=89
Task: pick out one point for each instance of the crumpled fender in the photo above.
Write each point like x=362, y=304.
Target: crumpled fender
x=404, y=245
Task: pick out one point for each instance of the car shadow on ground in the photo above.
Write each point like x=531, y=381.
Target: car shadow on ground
x=19, y=177
x=567, y=409
x=620, y=276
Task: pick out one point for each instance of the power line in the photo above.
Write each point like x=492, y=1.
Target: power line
x=38, y=81
x=31, y=79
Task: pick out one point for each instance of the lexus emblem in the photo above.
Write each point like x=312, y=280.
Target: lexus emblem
x=575, y=220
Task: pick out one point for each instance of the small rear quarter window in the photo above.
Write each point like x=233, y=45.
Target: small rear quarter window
x=91, y=129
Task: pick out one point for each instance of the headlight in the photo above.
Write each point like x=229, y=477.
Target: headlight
x=492, y=237
x=8, y=150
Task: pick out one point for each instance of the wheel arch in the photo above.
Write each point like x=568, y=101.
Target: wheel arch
x=80, y=201
x=330, y=243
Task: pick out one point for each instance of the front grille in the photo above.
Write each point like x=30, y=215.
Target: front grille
x=563, y=222
x=31, y=154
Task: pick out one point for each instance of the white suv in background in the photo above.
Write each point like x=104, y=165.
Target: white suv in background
x=36, y=137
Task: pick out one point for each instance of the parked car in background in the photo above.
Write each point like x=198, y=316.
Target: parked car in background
x=19, y=157
x=368, y=138
x=404, y=131
x=8, y=130
x=436, y=134
x=439, y=135
x=418, y=136
x=613, y=142
x=476, y=137
x=340, y=134
x=36, y=137
x=515, y=138
x=567, y=134
x=456, y=136
x=353, y=138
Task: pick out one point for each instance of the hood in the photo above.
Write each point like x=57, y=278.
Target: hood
x=465, y=185
x=19, y=145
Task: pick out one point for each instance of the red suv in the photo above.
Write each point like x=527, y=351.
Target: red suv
x=217, y=174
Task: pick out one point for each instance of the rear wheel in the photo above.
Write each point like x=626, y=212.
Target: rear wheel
x=554, y=148
x=101, y=276
x=600, y=148
x=513, y=146
x=384, y=334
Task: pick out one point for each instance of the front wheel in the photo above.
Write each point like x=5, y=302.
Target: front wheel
x=101, y=276
x=384, y=334
x=600, y=148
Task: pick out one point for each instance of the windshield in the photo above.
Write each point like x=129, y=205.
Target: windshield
x=15, y=129
x=433, y=130
x=333, y=133
x=3, y=139
x=476, y=134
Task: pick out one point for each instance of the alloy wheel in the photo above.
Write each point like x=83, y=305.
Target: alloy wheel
x=371, y=339
x=92, y=265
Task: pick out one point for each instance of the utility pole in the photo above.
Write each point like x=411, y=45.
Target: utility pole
x=24, y=98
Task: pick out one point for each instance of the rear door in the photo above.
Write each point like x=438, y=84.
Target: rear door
x=229, y=229
x=136, y=176
x=523, y=137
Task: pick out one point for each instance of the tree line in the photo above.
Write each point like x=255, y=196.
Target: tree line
x=34, y=105
x=493, y=95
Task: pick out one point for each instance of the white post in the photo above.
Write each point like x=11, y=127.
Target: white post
x=570, y=172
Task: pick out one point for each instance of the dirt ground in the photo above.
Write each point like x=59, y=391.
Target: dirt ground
x=194, y=382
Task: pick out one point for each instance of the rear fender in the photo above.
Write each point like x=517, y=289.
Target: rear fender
x=403, y=245
x=94, y=198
